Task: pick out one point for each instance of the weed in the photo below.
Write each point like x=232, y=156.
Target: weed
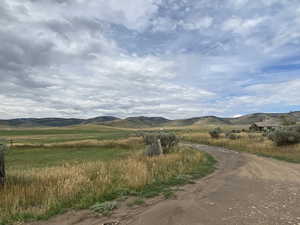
x=105, y=208
x=168, y=194
x=137, y=201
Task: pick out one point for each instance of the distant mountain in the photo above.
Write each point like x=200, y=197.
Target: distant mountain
x=243, y=120
x=139, y=122
x=147, y=122
x=200, y=121
x=53, y=122
x=101, y=119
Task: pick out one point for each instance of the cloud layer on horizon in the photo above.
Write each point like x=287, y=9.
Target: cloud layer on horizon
x=172, y=58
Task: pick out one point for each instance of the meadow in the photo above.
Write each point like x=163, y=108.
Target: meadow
x=51, y=170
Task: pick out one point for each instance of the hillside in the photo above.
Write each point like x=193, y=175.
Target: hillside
x=213, y=120
x=147, y=122
x=139, y=122
x=259, y=117
x=52, y=122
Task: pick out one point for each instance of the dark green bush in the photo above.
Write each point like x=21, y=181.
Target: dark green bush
x=216, y=132
x=285, y=136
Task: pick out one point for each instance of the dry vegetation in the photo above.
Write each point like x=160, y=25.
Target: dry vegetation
x=40, y=191
x=249, y=142
x=124, y=143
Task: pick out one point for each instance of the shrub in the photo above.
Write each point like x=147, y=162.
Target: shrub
x=267, y=132
x=167, y=141
x=215, y=133
x=284, y=136
x=104, y=208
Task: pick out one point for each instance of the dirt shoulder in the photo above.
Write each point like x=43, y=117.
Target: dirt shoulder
x=245, y=189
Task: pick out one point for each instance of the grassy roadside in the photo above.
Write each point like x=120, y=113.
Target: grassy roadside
x=251, y=143
x=39, y=193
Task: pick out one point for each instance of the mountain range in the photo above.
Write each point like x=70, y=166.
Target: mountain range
x=146, y=122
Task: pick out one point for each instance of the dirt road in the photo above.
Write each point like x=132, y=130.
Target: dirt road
x=245, y=189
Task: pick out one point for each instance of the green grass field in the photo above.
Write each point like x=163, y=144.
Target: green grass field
x=54, y=135
x=52, y=170
x=28, y=158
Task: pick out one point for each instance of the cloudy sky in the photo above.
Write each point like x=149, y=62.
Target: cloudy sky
x=172, y=58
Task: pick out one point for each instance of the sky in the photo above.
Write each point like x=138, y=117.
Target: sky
x=171, y=58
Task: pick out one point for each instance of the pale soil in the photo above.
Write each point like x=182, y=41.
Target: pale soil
x=245, y=189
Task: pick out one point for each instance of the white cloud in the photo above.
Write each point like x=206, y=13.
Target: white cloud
x=151, y=57
x=200, y=23
x=134, y=14
x=277, y=93
x=241, y=26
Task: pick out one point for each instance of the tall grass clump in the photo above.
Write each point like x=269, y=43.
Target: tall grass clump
x=41, y=192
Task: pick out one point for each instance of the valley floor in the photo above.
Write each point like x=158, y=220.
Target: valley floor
x=246, y=189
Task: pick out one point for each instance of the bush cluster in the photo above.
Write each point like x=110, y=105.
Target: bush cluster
x=167, y=140
x=285, y=136
x=216, y=132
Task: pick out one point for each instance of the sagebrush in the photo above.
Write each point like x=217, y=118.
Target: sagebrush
x=285, y=136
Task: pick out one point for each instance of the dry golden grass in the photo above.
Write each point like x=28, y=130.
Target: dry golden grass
x=249, y=142
x=37, y=192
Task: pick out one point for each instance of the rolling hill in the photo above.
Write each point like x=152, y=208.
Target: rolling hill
x=53, y=122
x=147, y=122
